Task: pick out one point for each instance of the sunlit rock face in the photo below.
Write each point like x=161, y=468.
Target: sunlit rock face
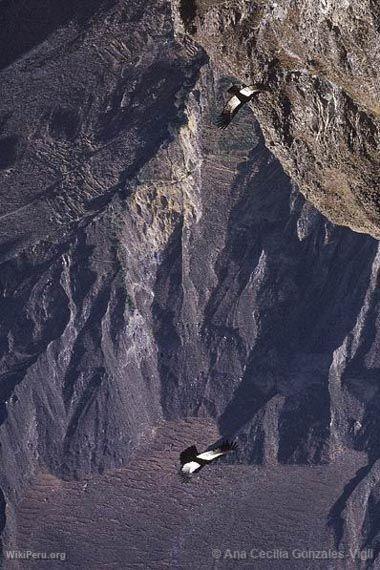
x=155, y=268
x=321, y=61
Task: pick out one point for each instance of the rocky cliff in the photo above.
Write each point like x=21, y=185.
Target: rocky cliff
x=320, y=60
x=156, y=268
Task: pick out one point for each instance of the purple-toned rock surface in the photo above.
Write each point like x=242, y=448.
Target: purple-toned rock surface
x=153, y=269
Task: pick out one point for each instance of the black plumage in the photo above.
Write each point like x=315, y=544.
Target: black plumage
x=240, y=96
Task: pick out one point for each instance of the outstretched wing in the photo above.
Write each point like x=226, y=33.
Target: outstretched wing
x=223, y=449
x=248, y=91
x=230, y=109
x=188, y=455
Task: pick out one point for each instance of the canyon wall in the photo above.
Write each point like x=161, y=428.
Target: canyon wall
x=153, y=267
x=320, y=61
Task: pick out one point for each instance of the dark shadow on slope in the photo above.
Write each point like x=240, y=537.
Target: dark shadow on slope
x=371, y=530
x=81, y=409
x=24, y=25
x=8, y=249
x=188, y=12
x=87, y=342
x=149, y=102
x=317, y=311
x=19, y=283
x=248, y=401
x=252, y=228
x=335, y=520
x=362, y=380
x=83, y=279
x=334, y=281
x=168, y=297
x=8, y=151
x=304, y=426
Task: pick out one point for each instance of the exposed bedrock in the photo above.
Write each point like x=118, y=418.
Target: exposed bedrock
x=153, y=267
x=321, y=61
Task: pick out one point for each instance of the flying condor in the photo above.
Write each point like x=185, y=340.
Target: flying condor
x=192, y=461
x=241, y=94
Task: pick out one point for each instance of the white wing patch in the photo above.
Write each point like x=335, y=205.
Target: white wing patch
x=233, y=103
x=190, y=467
x=210, y=455
x=247, y=91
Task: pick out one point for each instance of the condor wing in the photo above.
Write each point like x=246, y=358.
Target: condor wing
x=223, y=449
x=230, y=109
x=188, y=455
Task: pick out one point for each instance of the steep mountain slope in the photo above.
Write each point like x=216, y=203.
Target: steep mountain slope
x=155, y=268
x=321, y=116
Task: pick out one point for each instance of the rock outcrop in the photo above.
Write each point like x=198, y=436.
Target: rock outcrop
x=321, y=118
x=153, y=267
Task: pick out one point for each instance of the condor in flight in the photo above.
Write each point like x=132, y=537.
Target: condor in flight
x=241, y=94
x=192, y=461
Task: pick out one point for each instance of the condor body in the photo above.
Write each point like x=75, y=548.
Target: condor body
x=240, y=96
x=192, y=461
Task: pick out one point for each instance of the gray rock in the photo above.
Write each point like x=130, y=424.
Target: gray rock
x=154, y=268
x=321, y=61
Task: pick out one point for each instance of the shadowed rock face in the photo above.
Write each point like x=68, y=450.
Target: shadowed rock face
x=153, y=267
x=25, y=25
x=151, y=518
x=321, y=61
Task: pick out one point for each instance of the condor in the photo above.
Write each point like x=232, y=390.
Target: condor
x=241, y=94
x=192, y=461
